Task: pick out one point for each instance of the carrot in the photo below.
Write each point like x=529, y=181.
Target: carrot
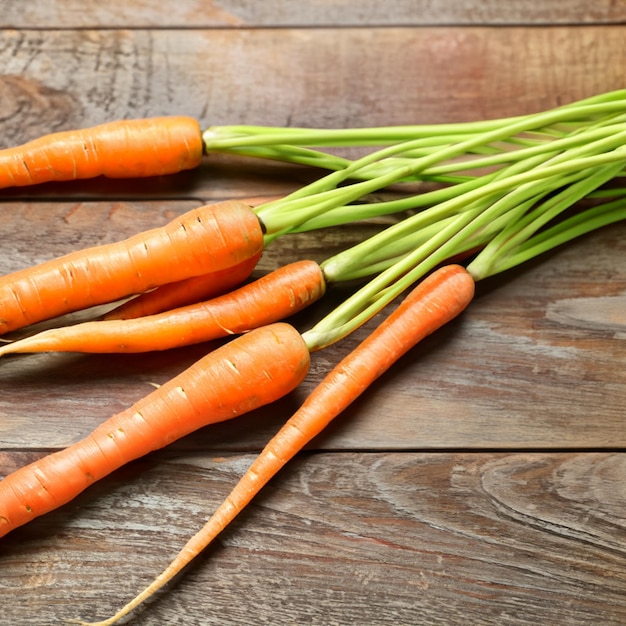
x=190, y=290
x=121, y=149
x=248, y=372
x=269, y=299
x=182, y=292
x=209, y=238
x=435, y=301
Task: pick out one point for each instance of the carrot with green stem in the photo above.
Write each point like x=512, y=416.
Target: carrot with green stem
x=271, y=298
x=170, y=144
x=234, y=379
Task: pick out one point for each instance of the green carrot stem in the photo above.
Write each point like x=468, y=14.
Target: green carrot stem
x=386, y=286
x=575, y=139
x=524, y=190
x=369, y=210
x=281, y=216
x=569, y=229
x=493, y=258
x=226, y=137
x=551, y=174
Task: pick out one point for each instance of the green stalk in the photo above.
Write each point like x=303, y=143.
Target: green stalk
x=551, y=174
x=352, y=212
x=348, y=213
x=290, y=212
x=490, y=155
x=494, y=257
x=571, y=228
x=224, y=138
x=386, y=286
x=380, y=291
x=575, y=176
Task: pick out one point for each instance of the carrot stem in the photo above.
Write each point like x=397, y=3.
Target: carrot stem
x=325, y=194
x=241, y=136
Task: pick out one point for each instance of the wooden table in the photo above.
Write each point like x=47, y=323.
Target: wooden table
x=482, y=480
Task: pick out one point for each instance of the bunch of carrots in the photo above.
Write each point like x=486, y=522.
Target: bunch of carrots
x=506, y=191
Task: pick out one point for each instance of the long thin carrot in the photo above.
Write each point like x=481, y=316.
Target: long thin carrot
x=209, y=238
x=183, y=292
x=121, y=149
x=269, y=299
x=247, y=372
x=438, y=299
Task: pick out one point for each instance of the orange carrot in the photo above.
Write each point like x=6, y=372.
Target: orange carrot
x=121, y=149
x=255, y=369
x=269, y=299
x=206, y=239
x=190, y=290
x=183, y=292
x=438, y=299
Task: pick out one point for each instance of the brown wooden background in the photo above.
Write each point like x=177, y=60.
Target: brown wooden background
x=481, y=481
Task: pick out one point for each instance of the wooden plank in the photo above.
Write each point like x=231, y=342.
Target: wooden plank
x=338, y=538
x=539, y=351
x=376, y=529
x=65, y=79
x=246, y=13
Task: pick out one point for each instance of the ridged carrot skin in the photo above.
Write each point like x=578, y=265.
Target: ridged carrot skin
x=191, y=290
x=438, y=299
x=122, y=149
x=206, y=239
x=269, y=299
x=184, y=292
x=248, y=372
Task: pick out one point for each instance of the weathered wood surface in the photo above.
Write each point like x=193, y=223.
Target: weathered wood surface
x=391, y=538
x=59, y=79
x=246, y=13
x=480, y=481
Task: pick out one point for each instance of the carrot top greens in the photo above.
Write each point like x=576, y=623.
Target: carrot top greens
x=471, y=165
x=512, y=212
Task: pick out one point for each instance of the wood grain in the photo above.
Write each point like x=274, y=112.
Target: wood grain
x=245, y=13
x=63, y=79
x=480, y=481
x=340, y=539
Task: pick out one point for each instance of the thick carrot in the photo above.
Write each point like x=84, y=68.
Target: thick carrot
x=209, y=238
x=190, y=290
x=271, y=298
x=435, y=301
x=183, y=292
x=121, y=149
x=252, y=370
